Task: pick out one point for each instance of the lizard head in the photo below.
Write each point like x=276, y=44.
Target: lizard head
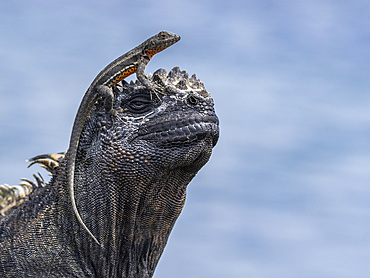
x=159, y=42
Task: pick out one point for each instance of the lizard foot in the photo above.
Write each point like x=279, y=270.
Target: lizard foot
x=155, y=89
x=114, y=113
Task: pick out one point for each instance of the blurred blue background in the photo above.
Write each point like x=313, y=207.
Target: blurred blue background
x=287, y=190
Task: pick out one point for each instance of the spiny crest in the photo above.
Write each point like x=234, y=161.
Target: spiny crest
x=174, y=79
x=14, y=195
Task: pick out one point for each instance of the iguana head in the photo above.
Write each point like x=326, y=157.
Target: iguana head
x=178, y=127
x=132, y=169
x=181, y=122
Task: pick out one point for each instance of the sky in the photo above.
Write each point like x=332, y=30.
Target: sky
x=287, y=190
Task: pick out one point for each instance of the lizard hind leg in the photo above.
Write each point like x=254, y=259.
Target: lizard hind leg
x=115, y=114
x=107, y=94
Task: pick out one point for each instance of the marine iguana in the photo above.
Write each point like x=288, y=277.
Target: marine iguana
x=131, y=174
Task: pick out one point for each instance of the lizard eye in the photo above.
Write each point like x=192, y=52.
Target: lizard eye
x=163, y=35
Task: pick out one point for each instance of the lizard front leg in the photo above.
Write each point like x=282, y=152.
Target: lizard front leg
x=107, y=94
x=143, y=78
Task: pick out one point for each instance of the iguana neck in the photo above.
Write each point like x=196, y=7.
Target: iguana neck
x=133, y=228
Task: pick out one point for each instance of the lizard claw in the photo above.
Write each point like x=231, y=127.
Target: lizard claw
x=114, y=114
x=155, y=89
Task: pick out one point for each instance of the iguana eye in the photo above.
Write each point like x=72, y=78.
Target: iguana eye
x=139, y=104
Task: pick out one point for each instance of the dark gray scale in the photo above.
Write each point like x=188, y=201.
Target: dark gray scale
x=130, y=181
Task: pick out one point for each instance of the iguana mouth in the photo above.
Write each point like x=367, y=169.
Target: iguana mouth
x=181, y=129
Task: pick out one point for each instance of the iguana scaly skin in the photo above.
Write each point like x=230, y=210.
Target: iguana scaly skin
x=131, y=174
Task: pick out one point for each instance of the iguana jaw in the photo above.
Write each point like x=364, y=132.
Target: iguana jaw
x=180, y=129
